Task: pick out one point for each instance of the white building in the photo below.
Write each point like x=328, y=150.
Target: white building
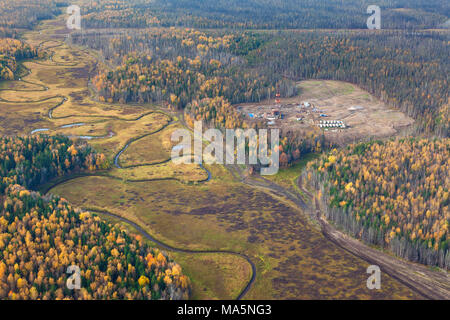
x=331, y=124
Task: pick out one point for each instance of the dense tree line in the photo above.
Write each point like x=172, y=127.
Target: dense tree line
x=217, y=112
x=295, y=143
x=202, y=73
x=41, y=236
x=179, y=82
x=266, y=14
x=392, y=194
x=169, y=43
x=12, y=51
x=24, y=14
x=179, y=66
x=30, y=161
x=14, y=17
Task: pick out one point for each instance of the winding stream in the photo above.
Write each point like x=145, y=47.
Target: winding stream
x=117, y=165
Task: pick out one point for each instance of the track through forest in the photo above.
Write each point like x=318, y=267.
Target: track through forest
x=430, y=284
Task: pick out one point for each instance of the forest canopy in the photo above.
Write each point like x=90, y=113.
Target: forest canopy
x=266, y=14
x=392, y=194
x=41, y=236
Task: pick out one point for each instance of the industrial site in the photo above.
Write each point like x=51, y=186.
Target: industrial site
x=342, y=111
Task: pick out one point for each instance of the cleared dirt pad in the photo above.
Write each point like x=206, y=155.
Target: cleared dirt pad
x=364, y=115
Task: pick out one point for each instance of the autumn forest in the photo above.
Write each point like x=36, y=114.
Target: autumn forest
x=89, y=181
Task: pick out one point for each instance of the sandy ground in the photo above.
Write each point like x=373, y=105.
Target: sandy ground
x=365, y=116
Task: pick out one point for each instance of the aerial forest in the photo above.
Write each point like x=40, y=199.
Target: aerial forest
x=42, y=235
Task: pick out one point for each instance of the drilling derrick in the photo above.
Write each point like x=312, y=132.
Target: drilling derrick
x=277, y=99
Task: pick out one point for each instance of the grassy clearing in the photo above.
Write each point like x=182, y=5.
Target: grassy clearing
x=20, y=119
x=19, y=85
x=293, y=259
x=154, y=148
x=126, y=131
x=324, y=89
x=287, y=177
x=187, y=173
x=213, y=275
x=157, y=205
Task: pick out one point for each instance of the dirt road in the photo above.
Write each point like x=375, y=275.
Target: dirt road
x=430, y=284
